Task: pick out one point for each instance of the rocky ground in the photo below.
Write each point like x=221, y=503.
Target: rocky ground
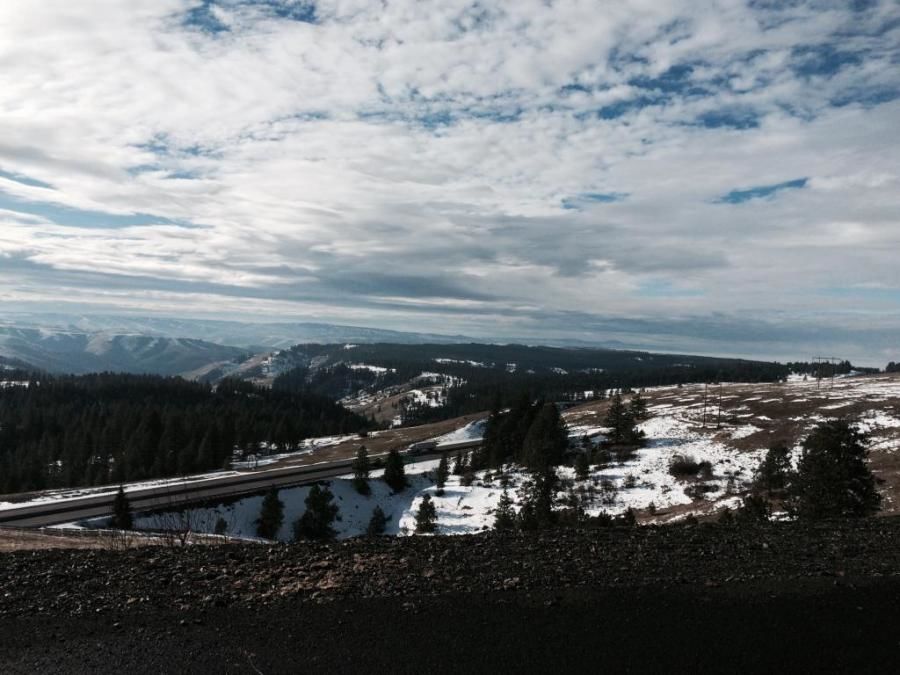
x=702, y=596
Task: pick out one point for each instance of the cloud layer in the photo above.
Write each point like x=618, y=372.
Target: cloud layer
x=539, y=169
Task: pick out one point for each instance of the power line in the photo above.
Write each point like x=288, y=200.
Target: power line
x=820, y=362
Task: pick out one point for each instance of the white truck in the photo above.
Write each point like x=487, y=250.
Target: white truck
x=422, y=447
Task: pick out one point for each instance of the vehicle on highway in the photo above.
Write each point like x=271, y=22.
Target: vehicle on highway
x=422, y=447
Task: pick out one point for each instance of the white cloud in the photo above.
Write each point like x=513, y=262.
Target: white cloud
x=409, y=159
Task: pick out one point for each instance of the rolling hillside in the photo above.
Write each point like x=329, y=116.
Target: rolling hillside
x=74, y=352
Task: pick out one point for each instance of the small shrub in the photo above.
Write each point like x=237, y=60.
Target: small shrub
x=683, y=466
x=625, y=454
x=221, y=527
x=603, y=457
x=628, y=519
x=699, y=490
x=582, y=466
x=755, y=509
x=377, y=522
x=608, y=492
x=602, y=519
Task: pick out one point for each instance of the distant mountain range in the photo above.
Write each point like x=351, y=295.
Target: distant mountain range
x=253, y=336
x=210, y=349
x=73, y=352
x=193, y=348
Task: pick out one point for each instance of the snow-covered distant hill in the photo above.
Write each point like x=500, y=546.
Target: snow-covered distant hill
x=79, y=352
x=257, y=336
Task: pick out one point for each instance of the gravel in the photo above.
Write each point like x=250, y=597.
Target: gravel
x=77, y=583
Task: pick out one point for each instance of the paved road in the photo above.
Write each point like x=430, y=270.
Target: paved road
x=30, y=514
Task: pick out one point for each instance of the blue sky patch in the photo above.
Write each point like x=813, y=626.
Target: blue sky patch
x=659, y=288
x=759, y=192
x=822, y=60
x=676, y=80
x=24, y=180
x=620, y=108
x=730, y=118
x=585, y=199
x=203, y=17
x=81, y=218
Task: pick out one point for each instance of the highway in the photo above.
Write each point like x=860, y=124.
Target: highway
x=172, y=495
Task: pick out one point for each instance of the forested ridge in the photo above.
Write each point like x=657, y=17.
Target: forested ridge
x=492, y=385
x=109, y=428
x=481, y=376
x=486, y=389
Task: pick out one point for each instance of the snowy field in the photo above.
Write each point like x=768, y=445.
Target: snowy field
x=467, y=509
x=643, y=483
x=729, y=427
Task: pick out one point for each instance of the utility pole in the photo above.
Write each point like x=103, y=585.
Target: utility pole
x=705, y=389
x=821, y=363
x=719, y=408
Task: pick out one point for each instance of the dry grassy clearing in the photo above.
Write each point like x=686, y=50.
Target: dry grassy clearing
x=747, y=418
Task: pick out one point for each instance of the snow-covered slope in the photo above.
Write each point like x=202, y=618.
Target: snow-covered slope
x=731, y=430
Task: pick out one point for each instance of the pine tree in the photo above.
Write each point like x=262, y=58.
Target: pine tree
x=754, y=509
x=377, y=523
x=582, y=466
x=491, y=438
x=504, y=515
x=622, y=426
x=538, y=498
x=394, y=473
x=774, y=471
x=441, y=475
x=316, y=522
x=361, y=468
x=459, y=464
x=546, y=440
x=833, y=480
x=426, y=516
x=271, y=516
x=121, y=519
x=638, y=407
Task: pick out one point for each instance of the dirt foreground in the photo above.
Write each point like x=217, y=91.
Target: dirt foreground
x=707, y=598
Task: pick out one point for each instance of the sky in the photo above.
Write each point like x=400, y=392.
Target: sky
x=719, y=176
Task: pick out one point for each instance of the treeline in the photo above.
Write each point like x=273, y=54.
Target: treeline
x=110, y=428
x=826, y=369
x=530, y=434
x=499, y=373
x=520, y=358
x=339, y=381
x=485, y=389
